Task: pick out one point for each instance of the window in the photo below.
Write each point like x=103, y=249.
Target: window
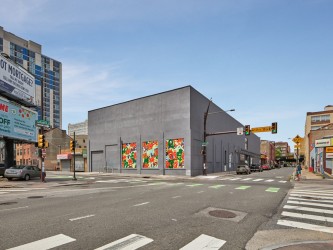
x=320, y=118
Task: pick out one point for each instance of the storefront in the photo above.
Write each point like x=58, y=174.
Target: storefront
x=324, y=156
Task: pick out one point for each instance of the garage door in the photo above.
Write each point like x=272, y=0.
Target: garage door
x=65, y=165
x=112, y=156
x=97, y=163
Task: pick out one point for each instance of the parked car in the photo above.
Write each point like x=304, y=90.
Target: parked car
x=2, y=169
x=266, y=167
x=241, y=169
x=256, y=167
x=25, y=172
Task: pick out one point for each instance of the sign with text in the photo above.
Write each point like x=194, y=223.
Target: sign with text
x=329, y=150
x=261, y=129
x=329, y=155
x=16, y=81
x=17, y=122
x=323, y=143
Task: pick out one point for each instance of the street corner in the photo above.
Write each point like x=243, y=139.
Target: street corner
x=289, y=239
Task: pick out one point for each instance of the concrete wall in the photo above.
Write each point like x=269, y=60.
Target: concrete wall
x=157, y=117
x=170, y=115
x=223, y=151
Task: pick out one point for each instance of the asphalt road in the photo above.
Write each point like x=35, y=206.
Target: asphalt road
x=162, y=214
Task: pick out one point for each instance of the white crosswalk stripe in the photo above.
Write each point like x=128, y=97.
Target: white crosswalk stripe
x=308, y=207
x=47, y=243
x=130, y=242
x=204, y=242
x=251, y=179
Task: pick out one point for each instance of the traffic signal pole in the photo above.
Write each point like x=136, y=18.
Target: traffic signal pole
x=74, y=144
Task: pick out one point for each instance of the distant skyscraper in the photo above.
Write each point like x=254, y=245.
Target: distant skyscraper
x=47, y=72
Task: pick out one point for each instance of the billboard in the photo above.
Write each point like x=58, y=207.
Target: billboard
x=17, y=122
x=16, y=81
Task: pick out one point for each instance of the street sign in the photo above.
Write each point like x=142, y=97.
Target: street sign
x=204, y=143
x=297, y=139
x=261, y=129
x=42, y=123
x=240, y=131
x=43, y=151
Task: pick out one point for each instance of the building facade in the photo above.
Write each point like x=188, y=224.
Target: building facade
x=315, y=121
x=47, y=73
x=163, y=134
x=80, y=128
x=267, y=150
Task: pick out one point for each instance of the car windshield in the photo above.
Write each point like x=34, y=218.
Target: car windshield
x=17, y=167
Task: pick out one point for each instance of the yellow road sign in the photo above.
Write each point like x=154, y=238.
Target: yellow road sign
x=261, y=129
x=297, y=139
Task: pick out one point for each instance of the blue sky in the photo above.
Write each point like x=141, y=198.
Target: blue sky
x=271, y=60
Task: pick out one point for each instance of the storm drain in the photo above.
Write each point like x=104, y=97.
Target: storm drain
x=35, y=197
x=223, y=214
x=8, y=203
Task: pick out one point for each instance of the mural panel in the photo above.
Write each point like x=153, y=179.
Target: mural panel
x=129, y=155
x=174, y=153
x=150, y=154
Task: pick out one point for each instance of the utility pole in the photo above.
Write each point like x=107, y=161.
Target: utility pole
x=74, y=143
x=204, y=151
x=42, y=128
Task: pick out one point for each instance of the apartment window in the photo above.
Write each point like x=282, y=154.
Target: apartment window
x=320, y=118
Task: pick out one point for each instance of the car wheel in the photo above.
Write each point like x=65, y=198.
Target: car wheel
x=9, y=179
x=27, y=177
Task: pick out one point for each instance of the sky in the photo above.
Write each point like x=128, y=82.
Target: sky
x=270, y=60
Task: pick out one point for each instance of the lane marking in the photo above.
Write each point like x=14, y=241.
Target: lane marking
x=307, y=216
x=194, y=185
x=272, y=189
x=14, y=208
x=243, y=187
x=83, y=217
x=175, y=197
x=200, y=192
x=305, y=226
x=310, y=204
x=246, y=179
x=258, y=180
x=270, y=180
x=3, y=192
x=46, y=243
x=234, y=179
x=308, y=209
x=217, y=186
x=141, y=204
x=282, y=181
x=130, y=242
x=204, y=242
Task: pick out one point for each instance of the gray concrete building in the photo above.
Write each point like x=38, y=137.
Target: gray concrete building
x=163, y=134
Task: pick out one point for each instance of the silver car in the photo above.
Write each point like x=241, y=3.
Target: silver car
x=22, y=172
x=243, y=169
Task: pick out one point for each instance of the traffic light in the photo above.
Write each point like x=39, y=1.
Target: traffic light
x=274, y=127
x=72, y=145
x=247, y=130
x=41, y=141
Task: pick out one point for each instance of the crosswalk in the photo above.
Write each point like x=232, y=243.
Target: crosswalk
x=250, y=179
x=309, y=208
x=130, y=242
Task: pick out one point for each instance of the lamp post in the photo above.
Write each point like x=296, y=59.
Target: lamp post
x=204, y=150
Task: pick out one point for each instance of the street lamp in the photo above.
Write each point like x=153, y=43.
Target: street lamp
x=205, y=134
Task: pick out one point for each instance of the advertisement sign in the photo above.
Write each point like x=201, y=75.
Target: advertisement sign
x=16, y=81
x=329, y=150
x=323, y=143
x=17, y=122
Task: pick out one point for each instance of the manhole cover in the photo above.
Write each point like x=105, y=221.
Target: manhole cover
x=35, y=197
x=222, y=214
x=8, y=203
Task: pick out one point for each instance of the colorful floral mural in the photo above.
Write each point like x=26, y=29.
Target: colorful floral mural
x=150, y=154
x=174, y=153
x=129, y=155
